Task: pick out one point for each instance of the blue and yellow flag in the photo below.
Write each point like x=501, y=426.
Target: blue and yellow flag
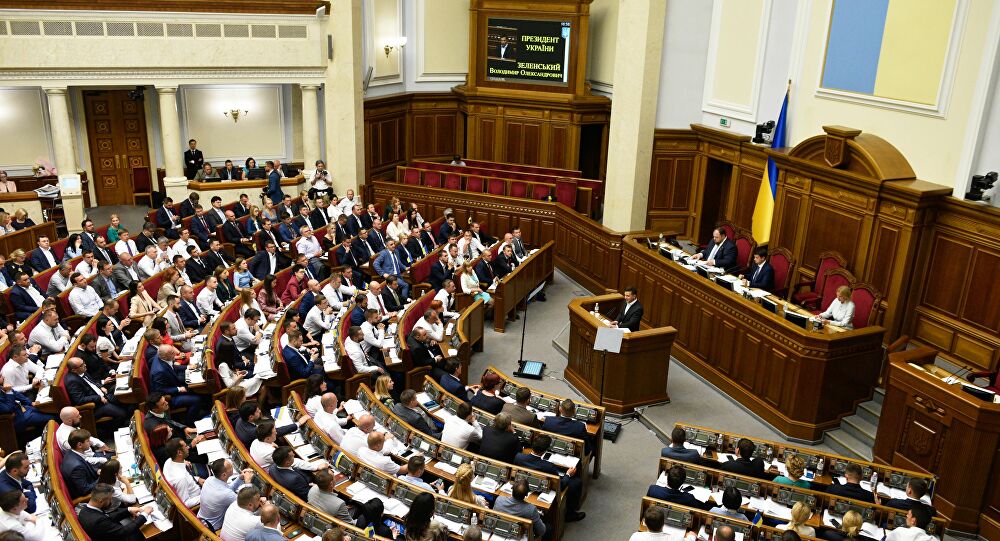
x=764, y=209
x=758, y=519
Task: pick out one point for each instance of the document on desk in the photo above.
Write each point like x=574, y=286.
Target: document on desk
x=547, y=497
x=353, y=407
x=485, y=484
x=142, y=493
x=445, y=467
x=282, y=417
x=209, y=446
x=54, y=360
x=306, y=452
x=395, y=507
x=204, y=425
x=295, y=439
x=424, y=398
x=565, y=461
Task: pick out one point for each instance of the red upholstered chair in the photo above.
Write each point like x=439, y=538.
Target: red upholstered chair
x=452, y=181
x=497, y=186
x=432, y=179
x=835, y=278
x=474, y=184
x=745, y=246
x=540, y=191
x=142, y=185
x=867, y=305
x=990, y=375
x=567, y=192
x=729, y=228
x=518, y=188
x=810, y=299
x=59, y=248
x=782, y=262
x=411, y=176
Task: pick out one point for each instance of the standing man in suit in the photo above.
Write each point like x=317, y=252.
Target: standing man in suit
x=193, y=160
x=506, y=50
x=100, y=522
x=565, y=424
x=80, y=475
x=720, y=253
x=631, y=314
x=273, y=183
x=746, y=464
x=760, y=275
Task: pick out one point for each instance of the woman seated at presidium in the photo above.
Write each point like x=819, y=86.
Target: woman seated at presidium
x=841, y=310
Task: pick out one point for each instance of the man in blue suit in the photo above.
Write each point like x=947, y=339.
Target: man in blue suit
x=565, y=424
x=309, y=299
x=16, y=469
x=441, y=271
x=360, y=306
x=25, y=297
x=286, y=230
x=265, y=262
x=25, y=414
x=720, y=253
x=672, y=492
x=388, y=264
x=760, y=275
x=484, y=269
x=273, y=183
x=163, y=379
x=450, y=380
x=200, y=229
x=299, y=367
x=285, y=475
x=80, y=475
x=676, y=449
x=43, y=258
x=568, y=480
x=166, y=219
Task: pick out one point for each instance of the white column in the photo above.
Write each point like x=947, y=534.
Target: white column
x=310, y=125
x=65, y=158
x=343, y=97
x=633, y=118
x=174, y=183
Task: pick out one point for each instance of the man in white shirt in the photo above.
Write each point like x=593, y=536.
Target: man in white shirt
x=355, y=350
x=375, y=300
x=181, y=246
x=320, y=318
x=372, y=455
x=348, y=202
x=83, y=299
x=87, y=266
x=124, y=244
x=334, y=293
x=310, y=247
x=176, y=473
x=14, y=517
x=653, y=520
x=49, y=334
x=151, y=263
x=248, y=333
x=433, y=325
x=217, y=494
x=59, y=281
x=97, y=454
x=327, y=420
x=357, y=436
x=208, y=301
x=447, y=297
x=241, y=516
x=21, y=374
x=462, y=429
x=263, y=446
x=917, y=520
x=373, y=332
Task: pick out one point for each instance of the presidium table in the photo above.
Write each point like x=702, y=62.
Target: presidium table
x=634, y=376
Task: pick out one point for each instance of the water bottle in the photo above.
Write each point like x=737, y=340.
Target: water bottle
x=770, y=453
x=874, y=480
x=661, y=238
x=719, y=442
x=819, y=467
x=475, y=519
x=597, y=308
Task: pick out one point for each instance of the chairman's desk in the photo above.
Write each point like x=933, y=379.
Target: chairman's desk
x=623, y=381
x=799, y=381
x=928, y=425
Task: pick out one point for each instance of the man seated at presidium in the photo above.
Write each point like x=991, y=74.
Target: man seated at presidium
x=720, y=253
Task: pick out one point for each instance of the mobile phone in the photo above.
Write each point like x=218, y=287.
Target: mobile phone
x=546, y=456
x=835, y=522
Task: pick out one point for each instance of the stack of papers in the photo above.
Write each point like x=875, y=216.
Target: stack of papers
x=547, y=497
x=485, y=484
x=445, y=467
x=204, y=425
x=353, y=407
x=564, y=460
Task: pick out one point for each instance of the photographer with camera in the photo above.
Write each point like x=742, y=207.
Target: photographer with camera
x=320, y=182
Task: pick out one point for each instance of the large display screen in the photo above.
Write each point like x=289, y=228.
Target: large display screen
x=529, y=51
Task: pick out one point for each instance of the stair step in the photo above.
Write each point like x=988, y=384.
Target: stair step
x=879, y=395
x=861, y=429
x=847, y=445
x=870, y=411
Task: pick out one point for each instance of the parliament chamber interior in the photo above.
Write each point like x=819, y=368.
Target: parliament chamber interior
x=327, y=270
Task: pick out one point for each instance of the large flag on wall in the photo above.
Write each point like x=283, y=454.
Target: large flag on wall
x=764, y=209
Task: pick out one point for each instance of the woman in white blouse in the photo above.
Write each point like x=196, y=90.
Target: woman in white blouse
x=111, y=473
x=841, y=310
x=396, y=227
x=470, y=285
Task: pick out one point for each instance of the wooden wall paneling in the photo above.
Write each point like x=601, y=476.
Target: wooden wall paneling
x=830, y=227
x=673, y=185
x=979, y=307
x=559, y=149
x=403, y=127
x=743, y=198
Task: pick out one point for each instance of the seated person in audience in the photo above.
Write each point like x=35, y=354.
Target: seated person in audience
x=21, y=373
x=801, y=513
x=59, y=281
x=80, y=475
x=233, y=232
x=250, y=416
x=145, y=238
x=21, y=220
x=25, y=414
x=74, y=247
x=164, y=379
x=82, y=298
x=357, y=436
x=431, y=323
x=415, y=467
x=852, y=488
x=916, y=489
x=760, y=275
x=505, y=262
x=206, y=172
x=565, y=424
x=425, y=352
x=124, y=272
x=323, y=496
x=88, y=265
x=487, y=398
x=373, y=454
x=451, y=381
x=518, y=411
x=568, y=480
x=796, y=468
x=218, y=493
x=208, y=301
x=83, y=390
x=287, y=232
x=295, y=286
x=104, y=283
x=515, y=505
x=25, y=297
x=462, y=491
x=299, y=366
x=441, y=271
x=196, y=267
x=268, y=232
x=176, y=473
x=100, y=520
x=267, y=262
x=265, y=444
x=746, y=464
x=269, y=528
x=841, y=310
x=202, y=229
x=248, y=335
x=126, y=245
x=375, y=301
x=392, y=294
x=849, y=530
x=721, y=252
x=309, y=297
x=167, y=220
x=190, y=310
x=111, y=473
x=917, y=520
x=18, y=262
x=732, y=501
x=404, y=250
x=462, y=430
x=676, y=449
x=49, y=335
x=499, y=440
x=371, y=517
x=14, y=477
x=652, y=519
x=286, y=475
x=328, y=421
x=42, y=257
x=388, y=264
x=357, y=315
x=242, y=514
x=161, y=428
x=408, y=409
x=234, y=368
x=229, y=172
x=384, y=390
x=363, y=248
x=672, y=493
x=215, y=257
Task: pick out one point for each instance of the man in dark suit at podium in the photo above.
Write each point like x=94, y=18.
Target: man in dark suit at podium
x=760, y=275
x=193, y=160
x=631, y=315
x=721, y=252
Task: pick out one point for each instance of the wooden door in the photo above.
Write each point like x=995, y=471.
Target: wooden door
x=116, y=130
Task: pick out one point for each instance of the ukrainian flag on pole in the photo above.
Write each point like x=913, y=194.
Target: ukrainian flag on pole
x=764, y=209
